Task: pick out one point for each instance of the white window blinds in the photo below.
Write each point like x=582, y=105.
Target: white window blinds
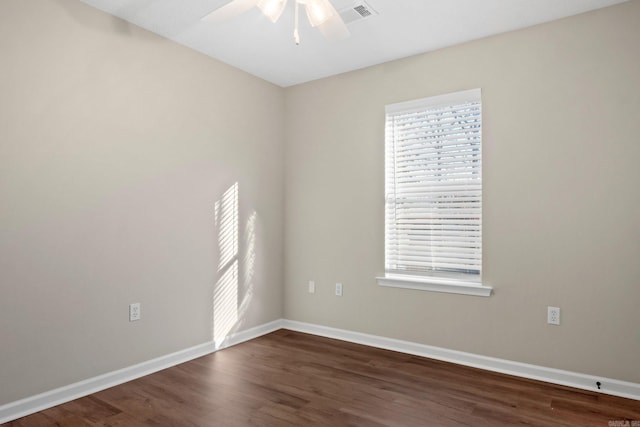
x=433, y=223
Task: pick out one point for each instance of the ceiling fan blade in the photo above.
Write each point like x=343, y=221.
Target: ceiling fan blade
x=334, y=28
x=230, y=10
x=318, y=11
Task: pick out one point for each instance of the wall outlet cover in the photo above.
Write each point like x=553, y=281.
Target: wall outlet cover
x=134, y=312
x=553, y=315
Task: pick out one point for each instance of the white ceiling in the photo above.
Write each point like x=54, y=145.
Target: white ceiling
x=402, y=28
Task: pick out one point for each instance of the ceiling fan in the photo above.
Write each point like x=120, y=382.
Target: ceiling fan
x=321, y=15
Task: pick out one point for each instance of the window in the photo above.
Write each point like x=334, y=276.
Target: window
x=433, y=190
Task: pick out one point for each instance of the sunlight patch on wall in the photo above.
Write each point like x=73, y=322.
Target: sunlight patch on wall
x=225, y=293
x=248, y=264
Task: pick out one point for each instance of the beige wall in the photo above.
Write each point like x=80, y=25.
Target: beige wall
x=115, y=145
x=561, y=106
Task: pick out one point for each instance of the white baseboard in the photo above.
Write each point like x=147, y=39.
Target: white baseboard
x=524, y=370
x=251, y=333
x=39, y=402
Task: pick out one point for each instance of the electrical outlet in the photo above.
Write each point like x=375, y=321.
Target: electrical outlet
x=553, y=315
x=338, y=289
x=134, y=312
x=312, y=287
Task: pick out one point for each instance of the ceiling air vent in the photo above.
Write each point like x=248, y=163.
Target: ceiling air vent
x=362, y=10
x=358, y=11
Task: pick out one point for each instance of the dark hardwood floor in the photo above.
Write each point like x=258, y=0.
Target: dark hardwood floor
x=292, y=379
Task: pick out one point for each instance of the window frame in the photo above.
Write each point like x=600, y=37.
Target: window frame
x=434, y=280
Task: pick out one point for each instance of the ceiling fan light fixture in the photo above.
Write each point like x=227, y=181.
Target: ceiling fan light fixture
x=318, y=11
x=272, y=9
x=321, y=14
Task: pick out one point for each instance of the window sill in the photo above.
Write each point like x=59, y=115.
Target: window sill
x=435, y=285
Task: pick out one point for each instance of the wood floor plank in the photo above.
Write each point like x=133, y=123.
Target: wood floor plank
x=292, y=379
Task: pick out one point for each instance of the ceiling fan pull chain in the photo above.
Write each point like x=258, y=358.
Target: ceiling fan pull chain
x=296, y=34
